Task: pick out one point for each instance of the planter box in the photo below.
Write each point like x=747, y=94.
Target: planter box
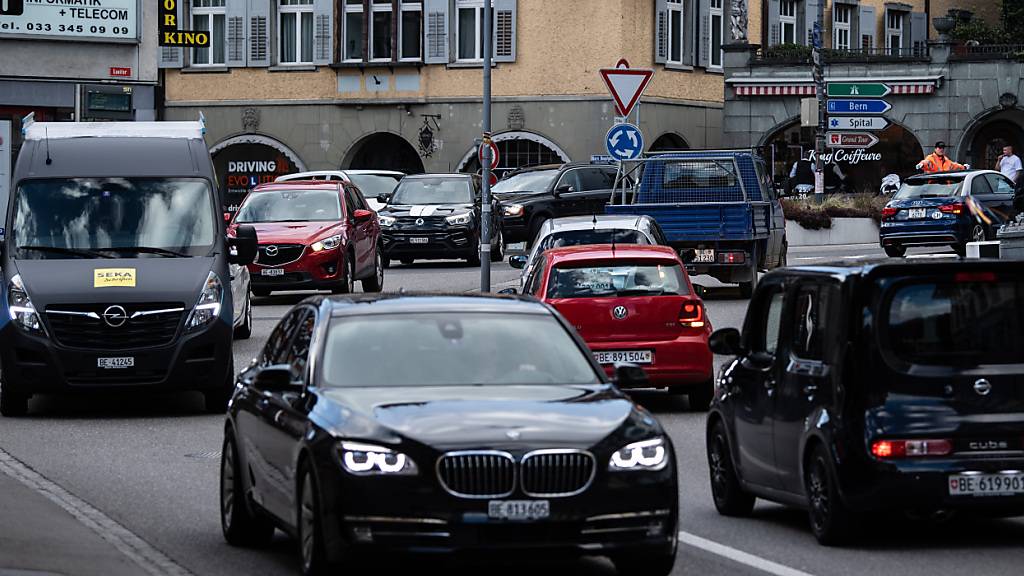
x=1011, y=242
x=843, y=231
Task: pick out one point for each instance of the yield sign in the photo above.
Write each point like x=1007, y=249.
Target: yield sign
x=626, y=84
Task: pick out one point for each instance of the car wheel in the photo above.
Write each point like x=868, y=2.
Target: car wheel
x=386, y=262
x=348, y=283
x=747, y=288
x=726, y=490
x=649, y=563
x=895, y=251
x=473, y=259
x=375, y=283
x=244, y=330
x=13, y=403
x=261, y=292
x=978, y=233
x=310, y=532
x=830, y=519
x=700, y=396
x=216, y=400
x=240, y=525
x=498, y=248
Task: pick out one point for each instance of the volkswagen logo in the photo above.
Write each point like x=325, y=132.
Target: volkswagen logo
x=270, y=250
x=115, y=316
x=983, y=387
x=419, y=221
x=619, y=312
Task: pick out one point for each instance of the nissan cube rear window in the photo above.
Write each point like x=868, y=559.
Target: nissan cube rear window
x=974, y=319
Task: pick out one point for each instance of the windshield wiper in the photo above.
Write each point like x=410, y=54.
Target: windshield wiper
x=643, y=292
x=68, y=251
x=148, y=250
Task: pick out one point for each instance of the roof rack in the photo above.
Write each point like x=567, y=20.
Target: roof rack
x=32, y=130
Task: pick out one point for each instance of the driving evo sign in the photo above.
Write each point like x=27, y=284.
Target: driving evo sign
x=102, y=20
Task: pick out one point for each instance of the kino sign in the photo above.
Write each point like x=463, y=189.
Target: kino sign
x=170, y=35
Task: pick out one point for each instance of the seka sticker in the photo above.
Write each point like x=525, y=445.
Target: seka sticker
x=114, y=278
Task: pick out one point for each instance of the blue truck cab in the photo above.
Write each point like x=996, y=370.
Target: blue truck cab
x=719, y=203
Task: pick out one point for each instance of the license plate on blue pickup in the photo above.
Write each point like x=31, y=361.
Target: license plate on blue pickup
x=704, y=256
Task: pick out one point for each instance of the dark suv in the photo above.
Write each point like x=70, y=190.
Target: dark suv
x=910, y=397
x=533, y=195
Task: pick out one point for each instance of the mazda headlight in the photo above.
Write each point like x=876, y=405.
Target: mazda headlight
x=369, y=460
x=327, y=243
x=23, y=312
x=386, y=221
x=649, y=455
x=513, y=210
x=460, y=219
x=208, y=306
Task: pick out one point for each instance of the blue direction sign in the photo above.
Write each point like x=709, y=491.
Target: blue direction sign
x=624, y=142
x=858, y=106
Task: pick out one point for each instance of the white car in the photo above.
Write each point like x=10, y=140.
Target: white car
x=372, y=183
x=242, y=299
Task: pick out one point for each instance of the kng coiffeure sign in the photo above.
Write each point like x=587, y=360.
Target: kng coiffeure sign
x=170, y=35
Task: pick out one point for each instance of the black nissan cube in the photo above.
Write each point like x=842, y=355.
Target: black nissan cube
x=874, y=386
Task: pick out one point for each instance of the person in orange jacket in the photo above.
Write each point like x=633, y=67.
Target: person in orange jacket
x=939, y=162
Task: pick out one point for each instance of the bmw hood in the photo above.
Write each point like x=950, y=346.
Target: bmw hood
x=457, y=417
x=425, y=210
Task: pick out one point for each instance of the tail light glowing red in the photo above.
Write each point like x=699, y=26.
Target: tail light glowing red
x=888, y=212
x=976, y=277
x=891, y=449
x=955, y=208
x=691, y=315
x=732, y=257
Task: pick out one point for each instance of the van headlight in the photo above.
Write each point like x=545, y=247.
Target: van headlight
x=460, y=219
x=23, y=312
x=327, y=243
x=369, y=460
x=649, y=455
x=208, y=306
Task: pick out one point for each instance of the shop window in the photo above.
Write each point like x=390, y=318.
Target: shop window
x=208, y=16
x=295, y=33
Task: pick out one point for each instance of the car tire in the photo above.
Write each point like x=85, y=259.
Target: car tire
x=261, y=292
x=386, y=262
x=831, y=522
x=215, y=401
x=348, y=283
x=498, y=248
x=312, y=552
x=13, y=403
x=375, y=283
x=240, y=524
x=895, y=251
x=244, y=330
x=473, y=259
x=700, y=396
x=647, y=563
x=747, y=288
x=726, y=491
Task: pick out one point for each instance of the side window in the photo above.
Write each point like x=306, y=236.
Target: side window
x=534, y=281
x=359, y=201
x=767, y=324
x=813, y=304
x=276, y=349
x=979, y=187
x=570, y=178
x=298, y=352
x=596, y=179
x=1000, y=184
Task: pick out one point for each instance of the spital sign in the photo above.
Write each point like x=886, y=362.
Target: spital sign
x=170, y=35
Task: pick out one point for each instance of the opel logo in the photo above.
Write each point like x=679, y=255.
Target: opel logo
x=419, y=221
x=983, y=387
x=115, y=316
x=620, y=312
x=271, y=250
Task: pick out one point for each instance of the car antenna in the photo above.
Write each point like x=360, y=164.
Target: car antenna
x=46, y=135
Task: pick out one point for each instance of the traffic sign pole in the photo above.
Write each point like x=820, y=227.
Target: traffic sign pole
x=819, y=83
x=485, y=201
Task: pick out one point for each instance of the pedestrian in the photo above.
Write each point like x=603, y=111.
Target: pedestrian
x=1009, y=164
x=939, y=162
x=802, y=174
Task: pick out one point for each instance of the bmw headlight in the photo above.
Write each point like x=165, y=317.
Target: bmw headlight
x=649, y=455
x=386, y=221
x=513, y=210
x=460, y=219
x=208, y=306
x=327, y=243
x=23, y=312
x=369, y=460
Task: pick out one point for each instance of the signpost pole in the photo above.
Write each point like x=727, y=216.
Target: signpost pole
x=485, y=201
x=819, y=83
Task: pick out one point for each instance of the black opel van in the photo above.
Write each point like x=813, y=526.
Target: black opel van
x=864, y=387
x=115, y=264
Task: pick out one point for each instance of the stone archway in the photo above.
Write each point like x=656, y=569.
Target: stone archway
x=668, y=142
x=383, y=151
x=983, y=141
x=517, y=149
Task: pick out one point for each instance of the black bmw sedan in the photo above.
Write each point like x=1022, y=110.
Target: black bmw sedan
x=443, y=424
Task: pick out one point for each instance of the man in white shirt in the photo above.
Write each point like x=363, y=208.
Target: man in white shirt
x=1009, y=164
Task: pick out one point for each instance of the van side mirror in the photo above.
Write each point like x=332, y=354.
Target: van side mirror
x=244, y=246
x=631, y=376
x=726, y=342
x=384, y=198
x=518, y=262
x=277, y=378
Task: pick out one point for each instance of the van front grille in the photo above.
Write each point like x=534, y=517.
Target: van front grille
x=114, y=326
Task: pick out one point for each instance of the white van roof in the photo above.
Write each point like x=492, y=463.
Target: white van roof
x=33, y=130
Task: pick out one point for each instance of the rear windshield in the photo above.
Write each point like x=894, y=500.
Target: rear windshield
x=639, y=279
x=930, y=188
x=599, y=236
x=290, y=206
x=975, y=321
x=373, y=185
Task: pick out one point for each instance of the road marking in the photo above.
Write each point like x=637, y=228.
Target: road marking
x=739, y=556
x=150, y=559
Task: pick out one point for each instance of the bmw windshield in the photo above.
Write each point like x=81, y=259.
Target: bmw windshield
x=113, y=218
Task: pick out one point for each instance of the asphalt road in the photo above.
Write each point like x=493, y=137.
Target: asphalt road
x=151, y=464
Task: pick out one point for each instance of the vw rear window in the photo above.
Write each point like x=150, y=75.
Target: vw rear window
x=626, y=279
x=971, y=320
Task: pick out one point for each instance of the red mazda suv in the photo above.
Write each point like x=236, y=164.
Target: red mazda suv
x=313, y=235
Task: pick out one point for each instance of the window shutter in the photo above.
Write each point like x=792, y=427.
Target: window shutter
x=661, y=31
x=436, y=20
x=259, y=33
x=505, y=30
x=704, y=50
x=323, y=32
x=868, y=26
x=810, y=17
x=689, y=32
x=171, y=57
x=774, y=25
x=918, y=33
x=235, y=23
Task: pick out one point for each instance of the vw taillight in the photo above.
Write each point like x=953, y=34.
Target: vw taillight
x=955, y=208
x=888, y=212
x=691, y=315
x=892, y=449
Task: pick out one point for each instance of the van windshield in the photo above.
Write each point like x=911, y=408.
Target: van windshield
x=113, y=218
x=973, y=320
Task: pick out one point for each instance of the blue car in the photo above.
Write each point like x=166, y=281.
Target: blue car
x=936, y=210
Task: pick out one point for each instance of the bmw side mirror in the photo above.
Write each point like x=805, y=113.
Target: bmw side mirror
x=383, y=198
x=517, y=262
x=726, y=342
x=277, y=378
x=631, y=376
x=508, y=291
x=243, y=247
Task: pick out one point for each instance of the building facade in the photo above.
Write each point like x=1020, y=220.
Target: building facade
x=395, y=84
x=963, y=93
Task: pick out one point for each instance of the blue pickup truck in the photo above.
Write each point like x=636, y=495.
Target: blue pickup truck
x=719, y=203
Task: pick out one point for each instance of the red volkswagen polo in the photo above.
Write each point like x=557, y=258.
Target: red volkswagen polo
x=633, y=304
